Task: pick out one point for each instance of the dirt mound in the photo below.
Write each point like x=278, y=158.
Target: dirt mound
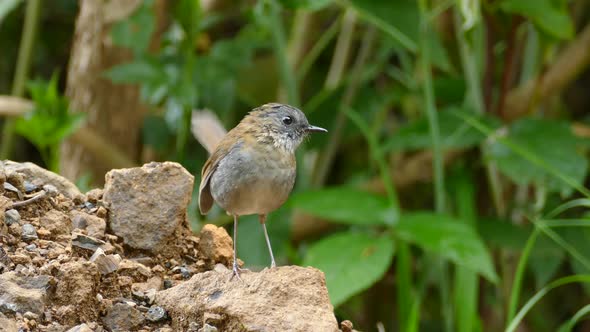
x=125, y=259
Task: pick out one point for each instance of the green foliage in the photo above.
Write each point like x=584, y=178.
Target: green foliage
x=351, y=261
x=551, y=141
x=50, y=121
x=7, y=6
x=454, y=134
x=551, y=16
x=346, y=205
x=136, y=32
x=449, y=238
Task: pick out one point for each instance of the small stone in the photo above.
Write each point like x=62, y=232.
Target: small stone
x=56, y=222
x=11, y=217
x=346, y=326
x=30, y=187
x=193, y=327
x=165, y=329
x=215, y=244
x=220, y=268
x=20, y=294
x=29, y=233
x=94, y=195
x=51, y=190
x=158, y=269
x=20, y=259
x=209, y=317
x=101, y=212
x=93, y=225
x=135, y=270
x=31, y=316
x=182, y=271
x=31, y=247
x=87, y=242
x=168, y=283
x=123, y=317
x=80, y=328
x=105, y=263
x=156, y=314
x=208, y=328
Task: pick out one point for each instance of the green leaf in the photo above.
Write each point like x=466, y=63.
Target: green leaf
x=399, y=20
x=352, y=262
x=7, y=6
x=346, y=205
x=306, y=4
x=138, y=71
x=504, y=234
x=551, y=141
x=135, y=32
x=449, y=238
x=551, y=16
x=454, y=134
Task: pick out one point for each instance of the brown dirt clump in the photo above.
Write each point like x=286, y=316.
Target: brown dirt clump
x=125, y=259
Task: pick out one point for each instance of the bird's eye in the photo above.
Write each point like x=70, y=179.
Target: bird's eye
x=287, y=120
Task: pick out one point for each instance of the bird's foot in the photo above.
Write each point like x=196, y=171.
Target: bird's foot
x=236, y=269
x=273, y=264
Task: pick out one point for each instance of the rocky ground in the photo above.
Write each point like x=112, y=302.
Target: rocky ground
x=123, y=258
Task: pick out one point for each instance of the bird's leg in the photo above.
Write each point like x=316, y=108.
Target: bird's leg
x=262, y=218
x=236, y=269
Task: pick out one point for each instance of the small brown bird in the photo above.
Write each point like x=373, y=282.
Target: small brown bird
x=252, y=169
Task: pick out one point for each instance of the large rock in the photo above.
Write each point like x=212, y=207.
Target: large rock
x=40, y=176
x=288, y=298
x=147, y=204
x=21, y=294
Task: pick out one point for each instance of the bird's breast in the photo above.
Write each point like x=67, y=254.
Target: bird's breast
x=253, y=179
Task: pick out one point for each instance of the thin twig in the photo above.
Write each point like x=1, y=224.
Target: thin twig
x=38, y=196
x=510, y=57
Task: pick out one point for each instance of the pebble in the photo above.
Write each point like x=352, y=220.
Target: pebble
x=156, y=314
x=29, y=233
x=183, y=271
x=31, y=247
x=29, y=187
x=11, y=216
x=51, y=190
x=168, y=283
x=208, y=328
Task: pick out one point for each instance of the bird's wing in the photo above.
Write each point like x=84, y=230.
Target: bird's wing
x=222, y=150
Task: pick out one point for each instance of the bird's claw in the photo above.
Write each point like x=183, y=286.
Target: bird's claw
x=236, y=271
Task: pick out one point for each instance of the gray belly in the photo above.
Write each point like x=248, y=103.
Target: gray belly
x=242, y=186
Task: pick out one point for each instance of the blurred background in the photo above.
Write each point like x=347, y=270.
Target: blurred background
x=450, y=193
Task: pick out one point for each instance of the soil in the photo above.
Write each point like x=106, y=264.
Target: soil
x=123, y=258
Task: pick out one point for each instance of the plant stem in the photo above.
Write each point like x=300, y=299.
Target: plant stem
x=431, y=113
x=339, y=60
x=288, y=77
x=22, y=70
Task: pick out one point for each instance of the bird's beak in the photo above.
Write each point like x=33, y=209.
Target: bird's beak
x=311, y=128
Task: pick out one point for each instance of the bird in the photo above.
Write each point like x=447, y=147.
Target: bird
x=252, y=169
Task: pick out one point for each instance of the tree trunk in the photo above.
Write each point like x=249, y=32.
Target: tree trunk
x=114, y=111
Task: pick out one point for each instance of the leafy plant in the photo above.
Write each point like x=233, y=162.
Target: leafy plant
x=49, y=122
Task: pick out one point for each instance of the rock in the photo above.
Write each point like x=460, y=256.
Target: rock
x=11, y=217
x=19, y=294
x=105, y=263
x=93, y=225
x=346, y=326
x=123, y=317
x=80, y=328
x=77, y=286
x=208, y=328
x=135, y=270
x=39, y=176
x=156, y=314
x=31, y=247
x=216, y=244
x=90, y=243
x=7, y=324
x=147, y=216
x=30, y=187
x=286, y=298
x=56, y=222
x=94, y=195
x=146, y=291
x=29, y=233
